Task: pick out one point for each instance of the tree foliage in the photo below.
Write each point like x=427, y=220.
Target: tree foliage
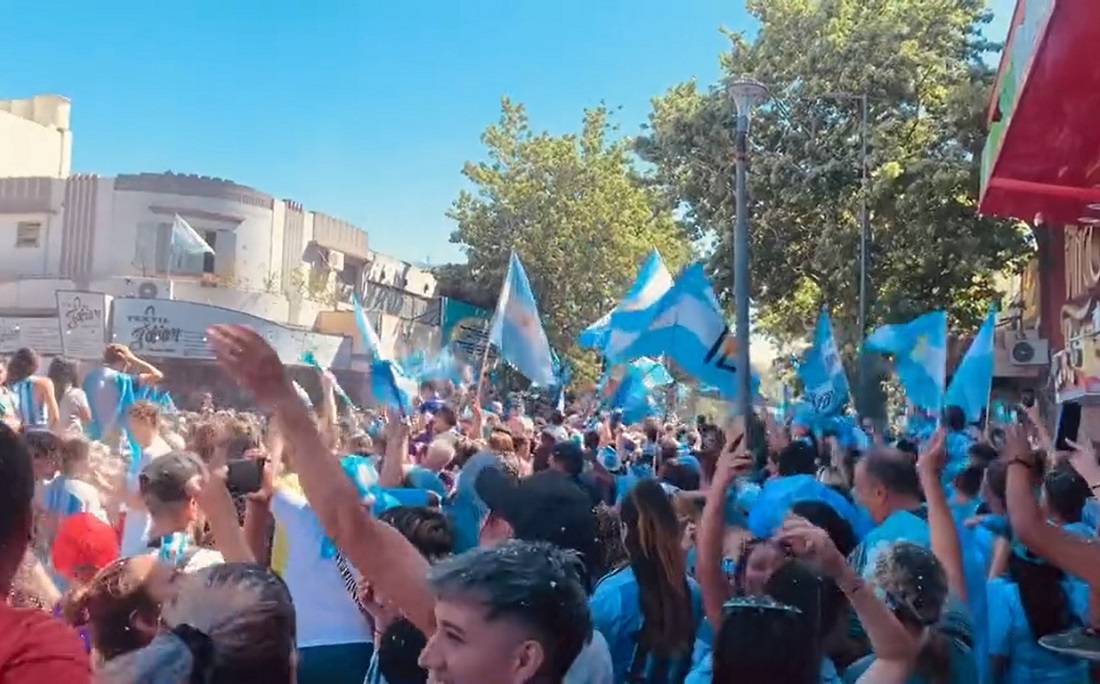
x=920, y=63
x=575, y=212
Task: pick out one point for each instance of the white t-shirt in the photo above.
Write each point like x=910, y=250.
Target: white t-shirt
x=70, y=407
x=326, y=613
x=593, y=664
x=135, y=531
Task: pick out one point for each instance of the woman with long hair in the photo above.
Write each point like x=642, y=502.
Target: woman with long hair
x=34, y=394
x=72, y=402
x=649, y=610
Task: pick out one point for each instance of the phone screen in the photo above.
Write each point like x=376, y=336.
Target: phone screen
x=245, y=475
x=1069, y=423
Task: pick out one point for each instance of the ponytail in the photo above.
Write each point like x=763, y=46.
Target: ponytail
x=934, y=658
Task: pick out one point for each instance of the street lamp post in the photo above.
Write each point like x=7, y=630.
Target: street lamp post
x=864, y=256
x=746, y=94
x=864, y=242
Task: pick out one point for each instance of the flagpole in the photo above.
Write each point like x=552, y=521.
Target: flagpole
x=484, y=368
x=171, y=249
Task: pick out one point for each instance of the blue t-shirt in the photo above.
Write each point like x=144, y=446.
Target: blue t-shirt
x=963, y=669
x=464, y=508
x=104, y=388
x=422, y=478
x=1010, y=637
x=616, y=613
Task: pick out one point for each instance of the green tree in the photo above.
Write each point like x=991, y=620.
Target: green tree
x=921, y=65
x=575, y=212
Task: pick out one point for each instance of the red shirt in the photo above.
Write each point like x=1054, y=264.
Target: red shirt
x=36, y=647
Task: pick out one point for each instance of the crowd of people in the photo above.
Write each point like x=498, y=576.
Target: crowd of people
x=322, y=543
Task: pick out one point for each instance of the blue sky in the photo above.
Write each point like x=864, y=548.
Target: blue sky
x=365, y=111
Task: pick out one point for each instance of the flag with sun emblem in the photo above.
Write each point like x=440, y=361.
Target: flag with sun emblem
x=517, y=331
x=919, y=348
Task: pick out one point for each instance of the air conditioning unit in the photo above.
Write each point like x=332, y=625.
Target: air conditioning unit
x=335, y=260
x=1029, y=353
x=153, y=289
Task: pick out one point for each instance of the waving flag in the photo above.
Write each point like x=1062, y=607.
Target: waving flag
x=367, y=333
x=517, y=331
x=310, y=359
x=919, y=348
x=824, y=382
x=969, y=388
x=443, y=366
x=391, y=387
x=185, y=240
x=686, y=325
x=652, y=281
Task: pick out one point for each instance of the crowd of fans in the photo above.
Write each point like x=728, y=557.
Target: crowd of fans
x=316, y=542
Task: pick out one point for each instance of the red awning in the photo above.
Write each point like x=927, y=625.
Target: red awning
x=1042, y=157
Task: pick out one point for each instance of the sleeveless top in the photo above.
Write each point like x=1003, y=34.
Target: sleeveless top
x=31, y=411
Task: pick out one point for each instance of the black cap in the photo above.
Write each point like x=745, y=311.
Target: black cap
x=547, y=506
x=165, y=479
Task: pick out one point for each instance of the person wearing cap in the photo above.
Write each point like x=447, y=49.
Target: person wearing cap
x=169, y=486
x=567, y=458
x=549, y=507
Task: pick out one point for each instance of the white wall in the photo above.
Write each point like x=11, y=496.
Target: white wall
x=35, y=139
x=243, y=235
x=16, y=262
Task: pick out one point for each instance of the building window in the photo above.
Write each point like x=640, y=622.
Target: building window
x=154, y=254
x=28, y=234
x=211, y=238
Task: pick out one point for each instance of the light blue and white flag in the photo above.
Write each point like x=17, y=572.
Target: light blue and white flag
x=185, y=240
x=824, y=382
x=687, y=326
x=367, y=333
x=919, y=348
x=517, y=331
x=651, y=283
x=970, y=385
x=391, y=387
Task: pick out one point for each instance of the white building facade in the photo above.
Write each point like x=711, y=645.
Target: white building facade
x=273, y=258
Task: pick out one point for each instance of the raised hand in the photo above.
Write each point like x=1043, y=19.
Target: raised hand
x=251, y=362
x=933, y=456
x=809, y=542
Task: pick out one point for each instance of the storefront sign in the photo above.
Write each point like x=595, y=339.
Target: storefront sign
x=465, y=327
x=82, y=319
x=39, y=334
x=1076, y=369
x=177, y=329
x=1082, y=272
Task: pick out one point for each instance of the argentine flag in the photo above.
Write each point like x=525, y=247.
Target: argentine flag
x=651, y=283
x=687, y=326
x=919, y=348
